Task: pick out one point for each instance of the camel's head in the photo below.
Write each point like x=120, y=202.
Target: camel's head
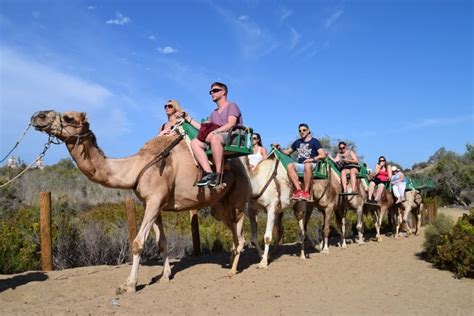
x=67, y=125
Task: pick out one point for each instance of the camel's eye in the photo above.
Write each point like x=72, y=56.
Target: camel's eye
x=68, y=119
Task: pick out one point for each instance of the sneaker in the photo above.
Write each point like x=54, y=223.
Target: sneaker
x=297, y=195
x=213, y=181
x=304, y=196
x=207, y=179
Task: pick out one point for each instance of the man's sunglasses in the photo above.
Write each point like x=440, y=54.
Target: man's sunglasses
x=214, y=91
x=342, y=147
x=169, y=106
x=303, y=130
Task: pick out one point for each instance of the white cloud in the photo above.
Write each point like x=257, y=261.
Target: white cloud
x=151, y=37
x=336, y=15
x=27, y=86
x=295, y=38
x=167, y=50
x=255, y=41
x=284, y=13
x=119, y=19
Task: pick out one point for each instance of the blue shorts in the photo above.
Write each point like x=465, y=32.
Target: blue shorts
x=300, y=167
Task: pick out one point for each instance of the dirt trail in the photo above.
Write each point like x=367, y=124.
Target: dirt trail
x=374, y=279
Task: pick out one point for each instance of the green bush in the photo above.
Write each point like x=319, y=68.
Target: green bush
x=456, y=249
x=435, y=234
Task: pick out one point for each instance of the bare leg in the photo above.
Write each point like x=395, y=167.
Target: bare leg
x=201, y=157
x=344, y=179
x=294, y=176
x=308, y=176
x=354, y=173
x=216, y=142
x=371, y=190
x=378, y=194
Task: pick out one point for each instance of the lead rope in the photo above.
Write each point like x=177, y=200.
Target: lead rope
x=41, y=155
x=17, y=143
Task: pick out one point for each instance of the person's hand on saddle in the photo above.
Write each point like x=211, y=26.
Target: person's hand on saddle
x=309, y=160
x=276, y=146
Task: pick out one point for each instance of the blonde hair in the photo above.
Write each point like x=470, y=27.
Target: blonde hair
x=175, y=104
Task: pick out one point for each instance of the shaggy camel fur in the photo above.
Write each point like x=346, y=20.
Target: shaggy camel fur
x=413, y=203
x=167, y=185
x=276, y=197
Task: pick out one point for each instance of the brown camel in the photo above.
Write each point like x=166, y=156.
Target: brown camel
x=382, y=207
x=413, y=203
x=164, y=185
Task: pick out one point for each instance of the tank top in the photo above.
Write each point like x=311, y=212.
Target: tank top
x=254, y=159
x=382, y=175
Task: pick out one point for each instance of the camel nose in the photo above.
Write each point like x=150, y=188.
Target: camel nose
x=38, y=116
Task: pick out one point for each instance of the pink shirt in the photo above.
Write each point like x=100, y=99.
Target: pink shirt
x=230, y=109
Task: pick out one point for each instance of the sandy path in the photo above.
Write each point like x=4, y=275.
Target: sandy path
x=377, y=278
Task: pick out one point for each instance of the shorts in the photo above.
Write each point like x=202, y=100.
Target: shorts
x=300, y=167
x=350, y=166
x=377, y=181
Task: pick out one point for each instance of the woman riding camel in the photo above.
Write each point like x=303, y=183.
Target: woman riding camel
x=172, y=108
x=259, y=152
x=399, y=183
x=348, y=163
x=382, y=176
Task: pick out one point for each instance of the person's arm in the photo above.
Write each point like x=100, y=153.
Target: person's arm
x=231, y=122
x=264, y=153
x=354, y=159
x=377, y=169
x=187, y=118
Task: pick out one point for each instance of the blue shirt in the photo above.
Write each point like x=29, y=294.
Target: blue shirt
x=307, y=149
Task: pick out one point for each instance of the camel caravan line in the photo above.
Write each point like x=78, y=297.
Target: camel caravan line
x=163, y=175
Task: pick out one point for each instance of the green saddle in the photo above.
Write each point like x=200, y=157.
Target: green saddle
x=238, y=141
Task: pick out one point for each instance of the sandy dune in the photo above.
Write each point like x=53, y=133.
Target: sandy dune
x=374, y=279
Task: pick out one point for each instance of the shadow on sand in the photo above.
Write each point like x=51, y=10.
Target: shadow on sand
x=22, y=279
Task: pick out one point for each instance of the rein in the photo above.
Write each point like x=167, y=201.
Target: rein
x=272, y=176
x=162, y=156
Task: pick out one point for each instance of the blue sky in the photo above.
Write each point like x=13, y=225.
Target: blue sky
x=395, y=77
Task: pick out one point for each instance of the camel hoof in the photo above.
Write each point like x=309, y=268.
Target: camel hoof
x=325, y=251
x=231, y=274
x=361, y=242
x=379, y=239
x=344, y=246
x=262, y=265
x=124, y=289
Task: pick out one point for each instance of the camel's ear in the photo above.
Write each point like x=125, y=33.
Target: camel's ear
x=83, y=117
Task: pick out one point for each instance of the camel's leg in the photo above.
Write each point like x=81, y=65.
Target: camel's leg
x=254, y=230
x=301, y=214
x=418, y=220
x=267, y=237
x=325, y=249
x=405, y=218
x=237, y=246
x=163, y=250
x=341, y=221
x=398, y=222
x=151, y=214
x=378, y=222
x=360, y=225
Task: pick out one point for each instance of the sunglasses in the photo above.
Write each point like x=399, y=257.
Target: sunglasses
x=169, y=106
x=303, y=130
x=342, y=147
x=382, y=160
x=255, y=138
x=214, y=91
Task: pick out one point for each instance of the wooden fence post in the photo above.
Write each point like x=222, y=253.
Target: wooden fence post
x=193, y=215
x=45, y=231
x=131, y=223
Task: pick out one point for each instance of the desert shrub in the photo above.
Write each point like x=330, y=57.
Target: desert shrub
x=435, y=234
x=19, y=242
x=456, y=249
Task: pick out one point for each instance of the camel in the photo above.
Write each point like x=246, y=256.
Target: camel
x=352, y=202
x=413, y=203
x=165, y=184
x=383, y=206
x=271, y=192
